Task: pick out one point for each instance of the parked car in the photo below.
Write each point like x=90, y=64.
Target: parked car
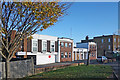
x=101, y=58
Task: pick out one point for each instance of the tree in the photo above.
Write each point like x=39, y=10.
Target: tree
x=26, y=18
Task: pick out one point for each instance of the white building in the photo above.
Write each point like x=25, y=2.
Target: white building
x=90, y=46
x=43, y=48
x=79, y=53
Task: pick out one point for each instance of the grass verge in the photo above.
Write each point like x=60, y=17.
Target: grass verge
x=83, y=71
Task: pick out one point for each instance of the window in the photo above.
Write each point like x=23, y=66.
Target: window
x=52, y=46
x=102, y=40
x=90, y=46
x=62, y=44
x=69, y=54
x=65, y=44
x=69, y=44
x=114, y=47
x=66, y=55
x=62, y=55
x=109, y=40
x=81, y=56
x=95, y=46
x=93, y=54
x=119, y=46
x=109, y=47
x=90, y=54
x=44, y=46
x=118, y=40
x=22, y=45
x=114, y=39
x=34, y=45
x=34, y=49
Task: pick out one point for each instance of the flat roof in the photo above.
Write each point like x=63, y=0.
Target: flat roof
x=105, y=36
x=64, y=38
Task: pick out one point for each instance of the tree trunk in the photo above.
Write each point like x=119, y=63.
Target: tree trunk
x=7, y=69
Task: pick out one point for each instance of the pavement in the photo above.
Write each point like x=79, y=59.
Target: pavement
x=116, y=68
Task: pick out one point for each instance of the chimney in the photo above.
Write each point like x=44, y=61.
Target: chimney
x=87, y=37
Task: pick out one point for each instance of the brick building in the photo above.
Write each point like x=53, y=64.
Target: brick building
x=106, y=44
x=65, y=50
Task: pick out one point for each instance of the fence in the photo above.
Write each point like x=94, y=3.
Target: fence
x=19, y=69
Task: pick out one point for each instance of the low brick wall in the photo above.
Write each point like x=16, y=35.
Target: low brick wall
x=51, y=68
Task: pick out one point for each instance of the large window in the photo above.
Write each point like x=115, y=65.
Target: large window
x=108, y=39
x=66, y=55
x=34, y=45
x=114, y=47
x=62, y=44
x=109, y=47
x=66, y=45
x=52, y=46
x=101, y=46
x=102, y=40
x=95, y=46
x=69, y=44
x=114, y=39
x=62, y=55
x=69, y=54
x=93, y=54
x=44, y=49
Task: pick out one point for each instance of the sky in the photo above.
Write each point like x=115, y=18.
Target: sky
x=86, y=18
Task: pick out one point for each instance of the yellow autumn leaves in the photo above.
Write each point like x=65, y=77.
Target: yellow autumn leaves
x=45, y=12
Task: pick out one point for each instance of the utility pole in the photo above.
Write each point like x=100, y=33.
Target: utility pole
x=88, y=59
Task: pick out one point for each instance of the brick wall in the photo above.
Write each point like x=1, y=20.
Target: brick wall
x=23, y=44
x=66, y=49
x=93, y=52
x=102, y=47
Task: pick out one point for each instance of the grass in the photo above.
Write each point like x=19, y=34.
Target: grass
x=83, y=71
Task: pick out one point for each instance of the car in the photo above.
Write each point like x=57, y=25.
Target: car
x=101, y=58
